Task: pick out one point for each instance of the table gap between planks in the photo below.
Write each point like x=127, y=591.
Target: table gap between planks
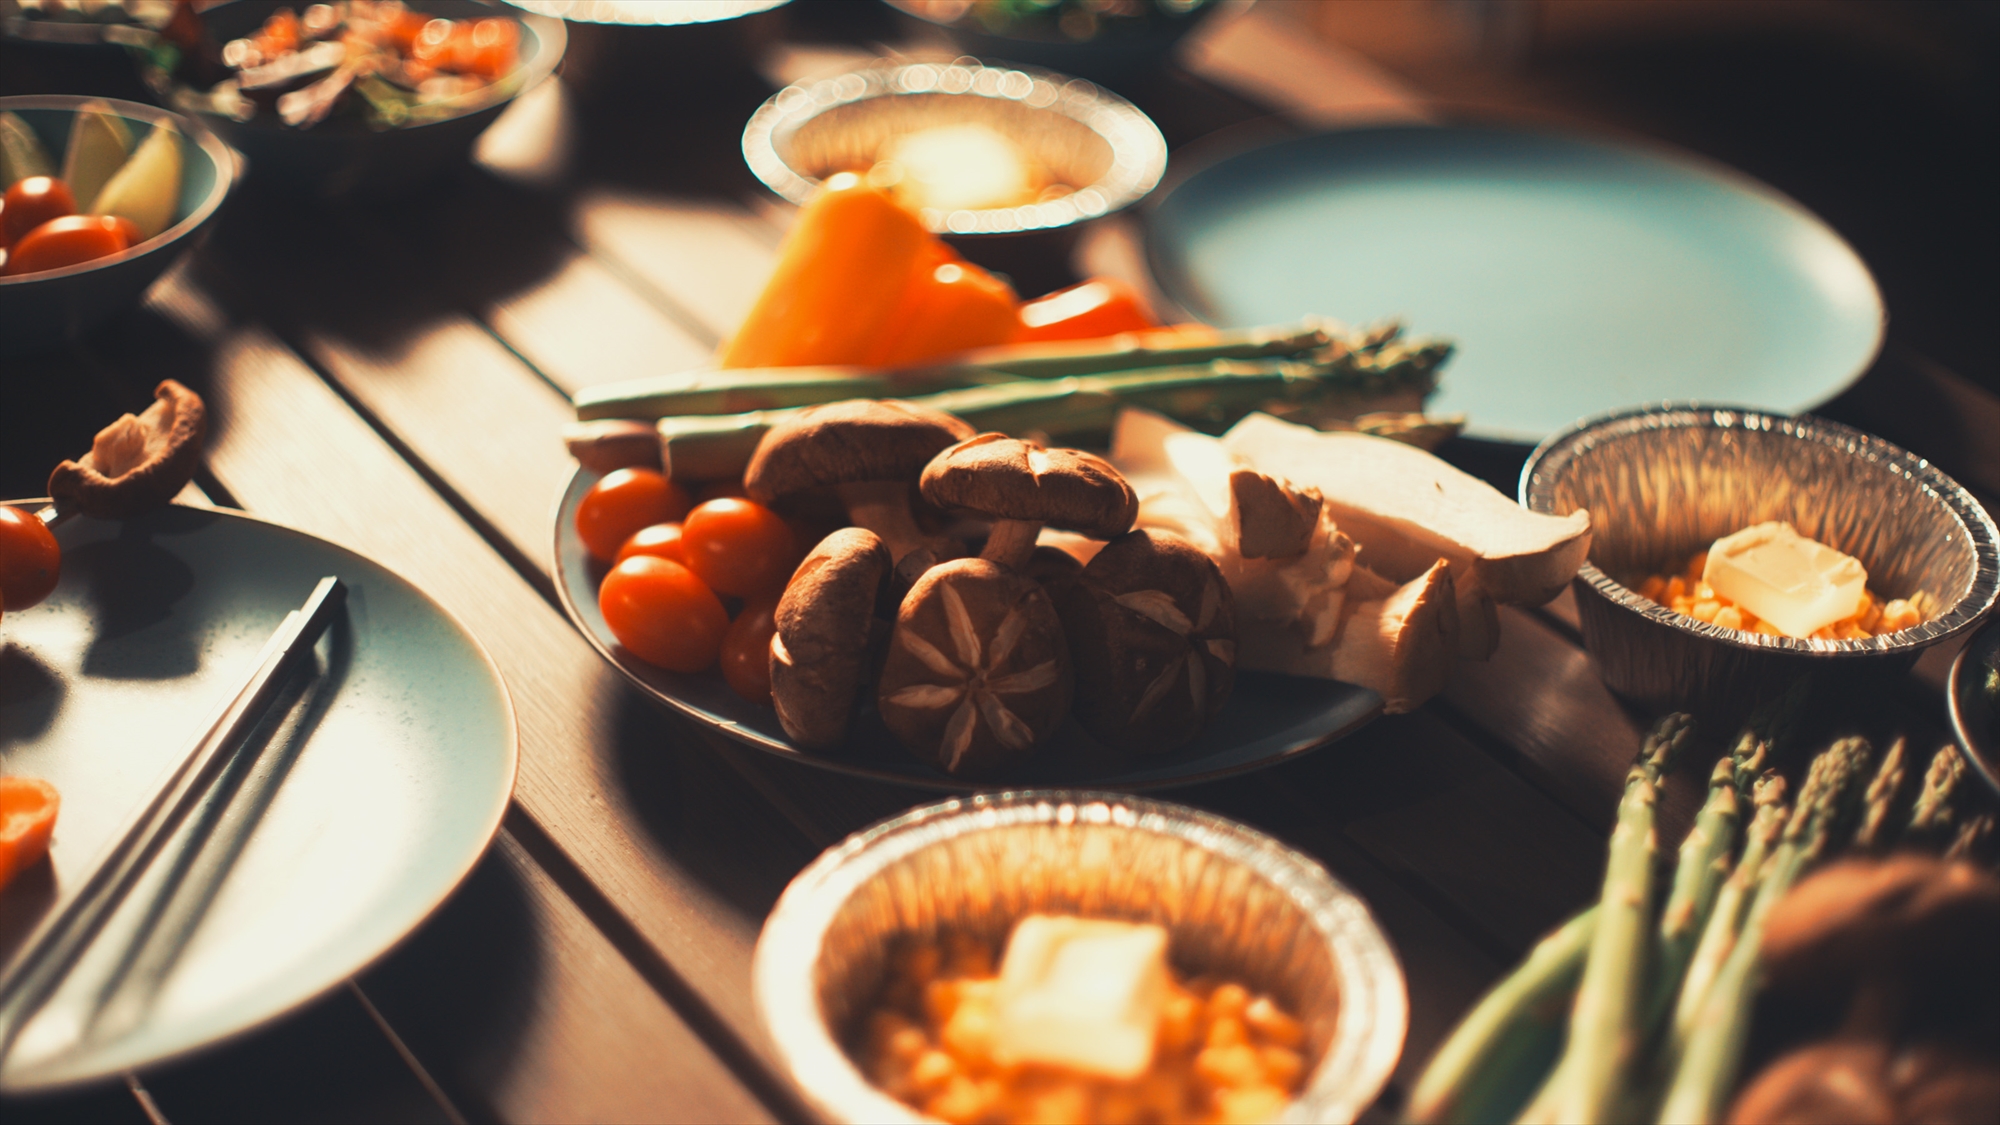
x=393, y=378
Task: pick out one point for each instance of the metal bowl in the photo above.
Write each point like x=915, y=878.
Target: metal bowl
x=1233, y=901
x=1094, y=141
x=1663, y=482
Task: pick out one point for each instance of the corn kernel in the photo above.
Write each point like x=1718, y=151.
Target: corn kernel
x=1705, y=611
x=940, y=1000
x=1251, y=1105
x=1226, y=1031
x=1272, y=1023
x=931, y=1071
x=1235, y=1065
x=961, y=1102
x=1228, y=999
x=1179, y=1018
x=1282, y=1066
x=1729, y=617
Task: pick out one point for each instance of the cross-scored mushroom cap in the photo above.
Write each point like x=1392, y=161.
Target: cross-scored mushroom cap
x=848, y=442
x=136, y=463
x=1004, y=478
x=978, y=672
x=819, y=656
x=1152, y=634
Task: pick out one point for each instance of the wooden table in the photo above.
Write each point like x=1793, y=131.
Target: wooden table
x=393, y=377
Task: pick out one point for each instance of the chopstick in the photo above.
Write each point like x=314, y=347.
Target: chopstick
x=61, y=939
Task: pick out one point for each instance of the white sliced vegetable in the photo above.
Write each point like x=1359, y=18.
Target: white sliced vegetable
x=147, y=190
x=99, y=143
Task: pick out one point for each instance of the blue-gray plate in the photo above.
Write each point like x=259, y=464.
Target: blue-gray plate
x=381, y=779
x=1577, y=275
x=1268, y=718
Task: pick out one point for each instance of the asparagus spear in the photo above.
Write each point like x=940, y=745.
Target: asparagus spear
x=698, y=447
x=1098, y=357
x=1604, y=1029
x=1971, y=835
x=1718, y=936
x=1705, y=1072
x=1703, y=867
x=1506, y=1042
x=1881, y=797
x=1931, y=815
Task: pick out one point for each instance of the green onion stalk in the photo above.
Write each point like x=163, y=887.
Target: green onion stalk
x=1705, y=1072
x=1499, y=1052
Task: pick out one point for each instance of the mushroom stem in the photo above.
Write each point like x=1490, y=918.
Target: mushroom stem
x=1011, y=542
x=883, y=507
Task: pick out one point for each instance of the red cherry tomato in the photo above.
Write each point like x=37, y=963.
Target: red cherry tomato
x=35, y=201
x=738, y=546
x=1096, y=308
x=662, y=541
x=746, y=650
x=625, y=501
x=663, y=614
x=66, y=242
x=30, y=560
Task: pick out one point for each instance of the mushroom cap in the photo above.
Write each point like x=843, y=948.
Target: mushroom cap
x=978, y=672
x=848, y=442
x=136, y=463
x=1152, y=633
x=1005, y=478
x=819, y=656
x=1860, y=915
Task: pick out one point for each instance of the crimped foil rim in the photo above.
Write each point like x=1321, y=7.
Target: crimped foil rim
x=1553, y=456
x=1138, y=150
x=1374, y=1009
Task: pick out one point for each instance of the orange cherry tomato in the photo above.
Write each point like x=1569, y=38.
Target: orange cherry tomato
x=663, y=614
x=28, y=810
x=1099, y=307
x=625, y=501
x=738, y=546
x=67, y=241
x=30, y=559
x=35, y=201
x=662, y=541
x=746, y=650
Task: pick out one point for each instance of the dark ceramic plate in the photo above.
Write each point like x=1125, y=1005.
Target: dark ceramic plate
x=1268, y=717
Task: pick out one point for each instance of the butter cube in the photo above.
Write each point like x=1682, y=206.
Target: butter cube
x=1082, y=994
x=1796, y=584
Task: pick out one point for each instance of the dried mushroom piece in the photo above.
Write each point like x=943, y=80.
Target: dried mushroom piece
x=1023, y=487
x=866, y=451
x=136, y=463
x=820, y=653
x=1152, y=634
x=978, y=673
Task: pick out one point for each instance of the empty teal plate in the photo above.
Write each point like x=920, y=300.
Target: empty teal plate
x=382, y=775
x=1577, y=275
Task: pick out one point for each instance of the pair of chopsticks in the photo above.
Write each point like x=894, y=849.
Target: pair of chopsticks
x=61, y=939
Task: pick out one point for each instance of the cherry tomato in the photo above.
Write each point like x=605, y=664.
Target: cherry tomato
x=738, y=546
x=66, y=242
x=30, y=560
x=1096, y=308
x=663, y=614
x=35, y=201
x=625, y=501
x=746, y=650
x=662, y=541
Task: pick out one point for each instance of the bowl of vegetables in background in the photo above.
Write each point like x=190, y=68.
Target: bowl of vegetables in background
x=1686, y=498
x=1006, y=163
x=118, y=193
x=364, y=98
x=1114, y=41
x=1278, y=998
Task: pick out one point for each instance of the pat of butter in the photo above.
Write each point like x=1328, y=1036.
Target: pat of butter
x=1796, y=584
x=1081, y=993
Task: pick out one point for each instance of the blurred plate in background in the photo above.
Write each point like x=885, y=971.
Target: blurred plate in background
x=1577, y=275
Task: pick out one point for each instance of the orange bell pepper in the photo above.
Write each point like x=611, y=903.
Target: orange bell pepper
x=27, y=816
x=951, y=305
x=841, y=274
x=1102, y=306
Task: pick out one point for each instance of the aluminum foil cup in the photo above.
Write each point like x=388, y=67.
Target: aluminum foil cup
x=1094, y=141
x=1234, y=902
x=1663, y=482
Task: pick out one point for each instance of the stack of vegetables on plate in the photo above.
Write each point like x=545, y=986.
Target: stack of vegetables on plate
x=1820, y=952
x=135, y=464
x=893, y=414
x=108, y=194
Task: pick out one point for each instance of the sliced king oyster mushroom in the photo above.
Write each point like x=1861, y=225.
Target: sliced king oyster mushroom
x=978, y=673
x=1152, y=633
